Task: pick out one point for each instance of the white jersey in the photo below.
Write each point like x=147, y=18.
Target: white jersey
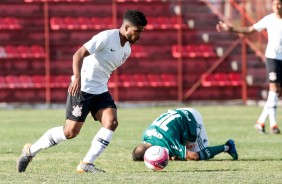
x=273, y=25
x=106, y=54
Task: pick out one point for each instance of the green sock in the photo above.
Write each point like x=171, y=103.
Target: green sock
x=210, y=152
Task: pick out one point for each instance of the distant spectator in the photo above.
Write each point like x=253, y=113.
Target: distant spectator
x=273, y=24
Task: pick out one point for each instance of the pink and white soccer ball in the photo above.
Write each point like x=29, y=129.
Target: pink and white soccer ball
x=156, y=158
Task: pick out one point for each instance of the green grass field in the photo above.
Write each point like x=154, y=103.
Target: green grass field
x=260, y=156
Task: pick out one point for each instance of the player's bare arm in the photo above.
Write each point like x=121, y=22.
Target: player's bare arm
x=76, y=65
x=222, y=26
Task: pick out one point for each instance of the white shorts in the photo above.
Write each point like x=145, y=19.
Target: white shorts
x=202, y=138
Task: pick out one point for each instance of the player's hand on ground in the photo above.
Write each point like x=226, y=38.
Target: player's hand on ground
x=221, y=26
x=74, y=87
x=174, y=158
x=190, y=155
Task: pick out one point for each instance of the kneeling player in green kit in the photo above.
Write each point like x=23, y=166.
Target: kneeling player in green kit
x=182, y=133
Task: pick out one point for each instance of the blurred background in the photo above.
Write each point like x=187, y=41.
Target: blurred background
x=181, y=57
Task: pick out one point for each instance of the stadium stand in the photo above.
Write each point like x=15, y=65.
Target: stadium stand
x=152, y=71
x=10, y=23
x=222, y=79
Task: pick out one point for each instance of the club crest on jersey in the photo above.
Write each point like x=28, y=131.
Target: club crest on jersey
x=76, y=111
x=272, y=76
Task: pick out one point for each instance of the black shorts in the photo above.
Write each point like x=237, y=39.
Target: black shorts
x=80, y=105
x=274, y=69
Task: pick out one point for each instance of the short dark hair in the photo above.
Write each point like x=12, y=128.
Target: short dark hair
x=137, y=18
x=139, y=152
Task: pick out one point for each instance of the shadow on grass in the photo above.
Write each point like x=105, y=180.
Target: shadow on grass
x=195, y=171
x=264, y=159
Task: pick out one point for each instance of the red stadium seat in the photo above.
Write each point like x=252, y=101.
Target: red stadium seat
x=126, y=80
x=84, y=23
x=207, y=50
x=111, y=82
x=53, y=82
x=71, y=23
x=235, y=79
x=191, y=51
x=140, y=80
x=166, y=22
x=25, y=81
x=207, y=80
x=169, y=80
x=12, y=81
x=11, y=51
x=2, y=82
x=154, y=80
x=221, y=79
x=63, y=81
x=95, y=23
x=12, y=23
x=174, y=23
x=39, y=81
x=60, y=81
x=152, y=23
x=24, y=51
x=106, y=22
x=176, y=51
x=37, y=51
x=57, y=23
x=101, y=23
x=138, y=51
x=163, y=22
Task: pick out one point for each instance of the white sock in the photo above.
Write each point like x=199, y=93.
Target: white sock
x=99, y=144
x=263, y=115
x=272, y=105
x=51, y=138
x=269, y=108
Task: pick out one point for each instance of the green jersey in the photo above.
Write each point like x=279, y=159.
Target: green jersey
x=171, y=130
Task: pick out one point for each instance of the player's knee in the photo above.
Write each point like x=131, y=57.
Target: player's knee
x=71, y=133
x=276, y=90
x=275, y=87
x=111, y=125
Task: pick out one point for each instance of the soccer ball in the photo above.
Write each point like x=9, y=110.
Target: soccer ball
x=156, y=158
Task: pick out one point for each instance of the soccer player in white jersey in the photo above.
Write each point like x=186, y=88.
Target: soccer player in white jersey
x=273, y=24
x=182, y=133
x=93, y=64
